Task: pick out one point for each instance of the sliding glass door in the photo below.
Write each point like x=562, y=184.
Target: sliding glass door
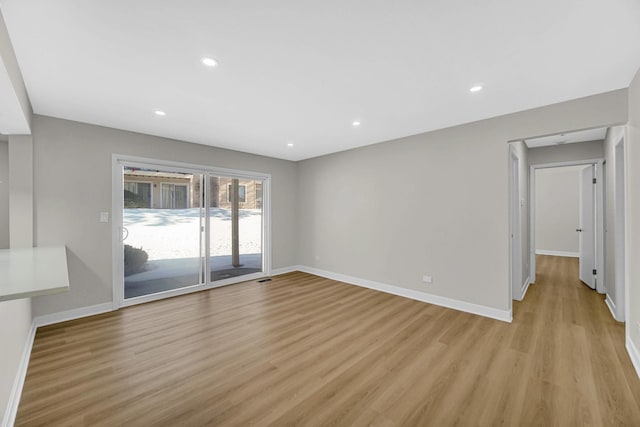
x=161, y=230
x=184, y=228
x=235, y=227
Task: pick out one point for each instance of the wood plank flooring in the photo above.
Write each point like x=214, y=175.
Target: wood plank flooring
x=303, y=350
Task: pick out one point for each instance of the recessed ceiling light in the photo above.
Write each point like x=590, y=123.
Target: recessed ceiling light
x=290, y=144
x=209, y=62
x=356, y=123
x=476, y=88
x=159, y=113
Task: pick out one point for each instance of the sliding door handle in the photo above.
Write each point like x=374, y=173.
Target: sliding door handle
x=579, y=230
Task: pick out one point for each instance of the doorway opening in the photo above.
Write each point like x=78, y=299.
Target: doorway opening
x=567, y=216
x=597, y=156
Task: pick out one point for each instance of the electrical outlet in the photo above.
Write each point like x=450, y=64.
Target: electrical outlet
x=427, y=279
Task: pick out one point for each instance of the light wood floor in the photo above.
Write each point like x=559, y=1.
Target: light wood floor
x=306, y=350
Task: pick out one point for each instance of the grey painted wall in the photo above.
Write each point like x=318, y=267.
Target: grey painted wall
x=72, y=181
x=4, y=194
x=15, y=323
x=633, y=212
x=558, y=209
x=15, y=316
x=8, y=59
x=435, y=203
x=562, y=153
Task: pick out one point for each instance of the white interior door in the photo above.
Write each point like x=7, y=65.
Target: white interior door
x=587, y=227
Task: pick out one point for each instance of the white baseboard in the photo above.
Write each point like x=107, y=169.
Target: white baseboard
x=612, y=308
x=634, y=354
x=285, y=270
x=76, y=313
x=481, y=310
x=16, y=391
x=49, y=319
x=558, y=253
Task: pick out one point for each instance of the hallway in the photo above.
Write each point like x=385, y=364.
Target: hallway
x=579, y=365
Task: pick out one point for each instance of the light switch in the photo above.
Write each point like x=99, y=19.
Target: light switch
x=104, y=216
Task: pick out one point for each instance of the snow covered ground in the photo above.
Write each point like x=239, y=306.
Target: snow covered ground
x=175, y=233
x=171, y=238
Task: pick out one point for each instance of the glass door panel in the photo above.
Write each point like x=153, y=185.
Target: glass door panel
x=162, y=222
x=235, y=227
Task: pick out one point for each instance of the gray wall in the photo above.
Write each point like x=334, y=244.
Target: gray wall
x=72, y=182
x=633, y=213
x=15, y=323
x=8, y=59
x=15, y=316
x=558, y=209
x=561, y=153
x=434, y=203
x=4, y=194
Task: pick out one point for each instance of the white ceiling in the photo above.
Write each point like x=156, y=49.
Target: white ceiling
x=301, y=72
x=568, y=138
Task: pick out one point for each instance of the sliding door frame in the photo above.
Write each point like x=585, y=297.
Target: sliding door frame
x=117, y=243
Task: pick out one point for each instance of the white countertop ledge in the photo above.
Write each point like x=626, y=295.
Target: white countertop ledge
x=29, y=272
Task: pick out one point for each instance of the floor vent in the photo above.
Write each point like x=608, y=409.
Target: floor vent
x=267, y=279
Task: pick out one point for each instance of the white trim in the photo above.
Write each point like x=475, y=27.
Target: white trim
x=515, y=226
x=634, y=354
x=481, y=310
x=189, y=167
x=76, y=313
x=627, y=304
x=620, y=231
x=566, y=163
x=612, y=308
x=600, y=229
x=285, y=270
x=191, y=289
x=18, y=383
x=558, y=253
x=532, y=224
x=525, y=288
x=117, y=229
x=266, y=226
